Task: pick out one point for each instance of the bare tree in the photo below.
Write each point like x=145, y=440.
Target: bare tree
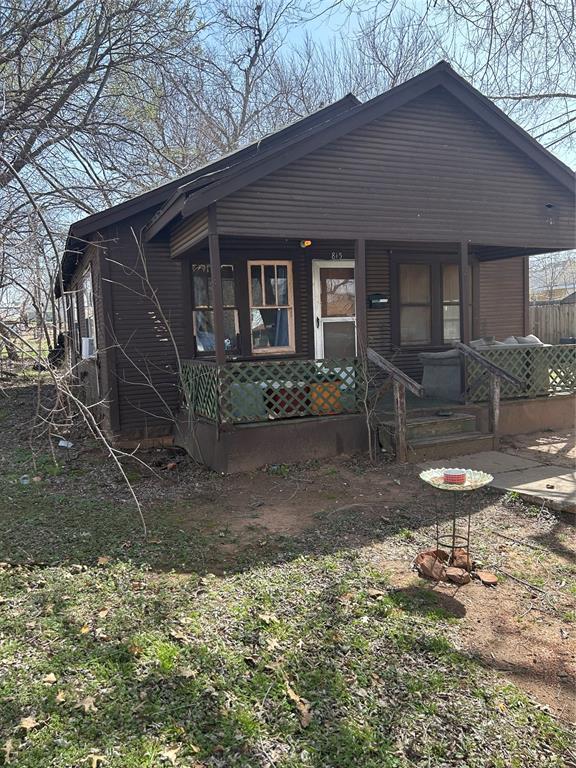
x=552, y=275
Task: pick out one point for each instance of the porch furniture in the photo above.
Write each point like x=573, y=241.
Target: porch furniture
x=441, y=376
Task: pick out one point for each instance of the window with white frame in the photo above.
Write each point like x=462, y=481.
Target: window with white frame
x=88, y=328
x=203, y=312
x=271, y=306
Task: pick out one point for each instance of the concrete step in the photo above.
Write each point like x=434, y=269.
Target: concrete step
x=431, y=425
x=443, y=447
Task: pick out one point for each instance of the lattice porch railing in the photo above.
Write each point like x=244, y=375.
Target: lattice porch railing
x=545, y=371
x=259, y=391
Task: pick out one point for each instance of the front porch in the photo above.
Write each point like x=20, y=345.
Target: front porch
x=290, y=340
x=242, y=415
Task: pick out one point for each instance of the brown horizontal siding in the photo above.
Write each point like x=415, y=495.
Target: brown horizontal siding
x=502, y=296
x=145, y=336
x=431, y=170
x=188, y=233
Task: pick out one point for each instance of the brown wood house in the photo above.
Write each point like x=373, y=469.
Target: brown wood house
x=234, y=307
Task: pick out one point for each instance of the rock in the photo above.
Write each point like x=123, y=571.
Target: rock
x=487, y=578
x=457, y=575
x=461, y=559
x=440, y=554
x=430, y=566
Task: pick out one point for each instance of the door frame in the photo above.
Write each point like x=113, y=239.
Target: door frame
x=317, y=265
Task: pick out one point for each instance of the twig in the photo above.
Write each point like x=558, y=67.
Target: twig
x=518, y=541
x=520, y=581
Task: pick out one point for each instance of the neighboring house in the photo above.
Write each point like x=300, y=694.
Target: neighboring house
x=402, y=224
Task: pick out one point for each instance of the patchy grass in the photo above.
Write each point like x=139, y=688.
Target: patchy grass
x=117, y=652
x=315, y=662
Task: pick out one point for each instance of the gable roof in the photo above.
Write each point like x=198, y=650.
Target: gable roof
x=197, y=190
x=160, y=194
x=79, y=232
x=207, y=188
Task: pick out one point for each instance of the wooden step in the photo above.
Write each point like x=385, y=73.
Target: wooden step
x=443, y=447
x=428, y=426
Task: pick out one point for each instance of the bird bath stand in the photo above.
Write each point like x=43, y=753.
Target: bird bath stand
x=453, y=539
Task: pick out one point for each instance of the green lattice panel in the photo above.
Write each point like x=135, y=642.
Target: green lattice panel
x=544, y=371
x=283, y=389
x=200, y=385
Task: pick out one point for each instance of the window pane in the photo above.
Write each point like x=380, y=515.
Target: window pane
x=450, y=282
x=415, y=325
x=270, y=328
x=451, y=322
x=282, y=284
x=256, y=279
x=414, y=284
x=269, y=284
x=204, y=330
x=337, y=292
x=340, y=339
x=200, y=287
x=228, y=291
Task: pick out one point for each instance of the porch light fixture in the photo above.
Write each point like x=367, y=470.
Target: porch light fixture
x=305, y=243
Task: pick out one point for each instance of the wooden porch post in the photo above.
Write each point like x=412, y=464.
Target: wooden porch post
x=465, y=292
x=216, y=274
x=400, y=419
x=360, y=282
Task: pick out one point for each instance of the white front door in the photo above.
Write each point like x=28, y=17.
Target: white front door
x=334, y=293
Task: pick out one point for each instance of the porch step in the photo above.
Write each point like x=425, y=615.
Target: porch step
x=421, y=427
x=443, y=447
x=430, y=436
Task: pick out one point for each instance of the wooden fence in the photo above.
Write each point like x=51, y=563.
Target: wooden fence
x=551, y=322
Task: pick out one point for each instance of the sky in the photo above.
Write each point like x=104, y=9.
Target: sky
x=341, y=22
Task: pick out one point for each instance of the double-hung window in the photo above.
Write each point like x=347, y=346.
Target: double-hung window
x=415, y=304
x=203, y=312
x=271, y=306
x=429, y=303
x=88, y=329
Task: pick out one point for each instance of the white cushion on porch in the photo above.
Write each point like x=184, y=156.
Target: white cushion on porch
x=530, y=339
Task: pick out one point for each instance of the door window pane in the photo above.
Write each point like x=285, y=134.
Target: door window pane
x=339, y=339
x=415, y=325
x=414, y=284
x=337, y=292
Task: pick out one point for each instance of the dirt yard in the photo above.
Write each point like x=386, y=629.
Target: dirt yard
x=76, y=509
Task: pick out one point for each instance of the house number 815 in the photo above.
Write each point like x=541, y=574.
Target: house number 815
x=336, y=255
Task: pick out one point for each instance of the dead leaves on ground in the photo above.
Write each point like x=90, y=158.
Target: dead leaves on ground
x=87, y=704
x=9, y=751
x=28, y=723
x=302, y=705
